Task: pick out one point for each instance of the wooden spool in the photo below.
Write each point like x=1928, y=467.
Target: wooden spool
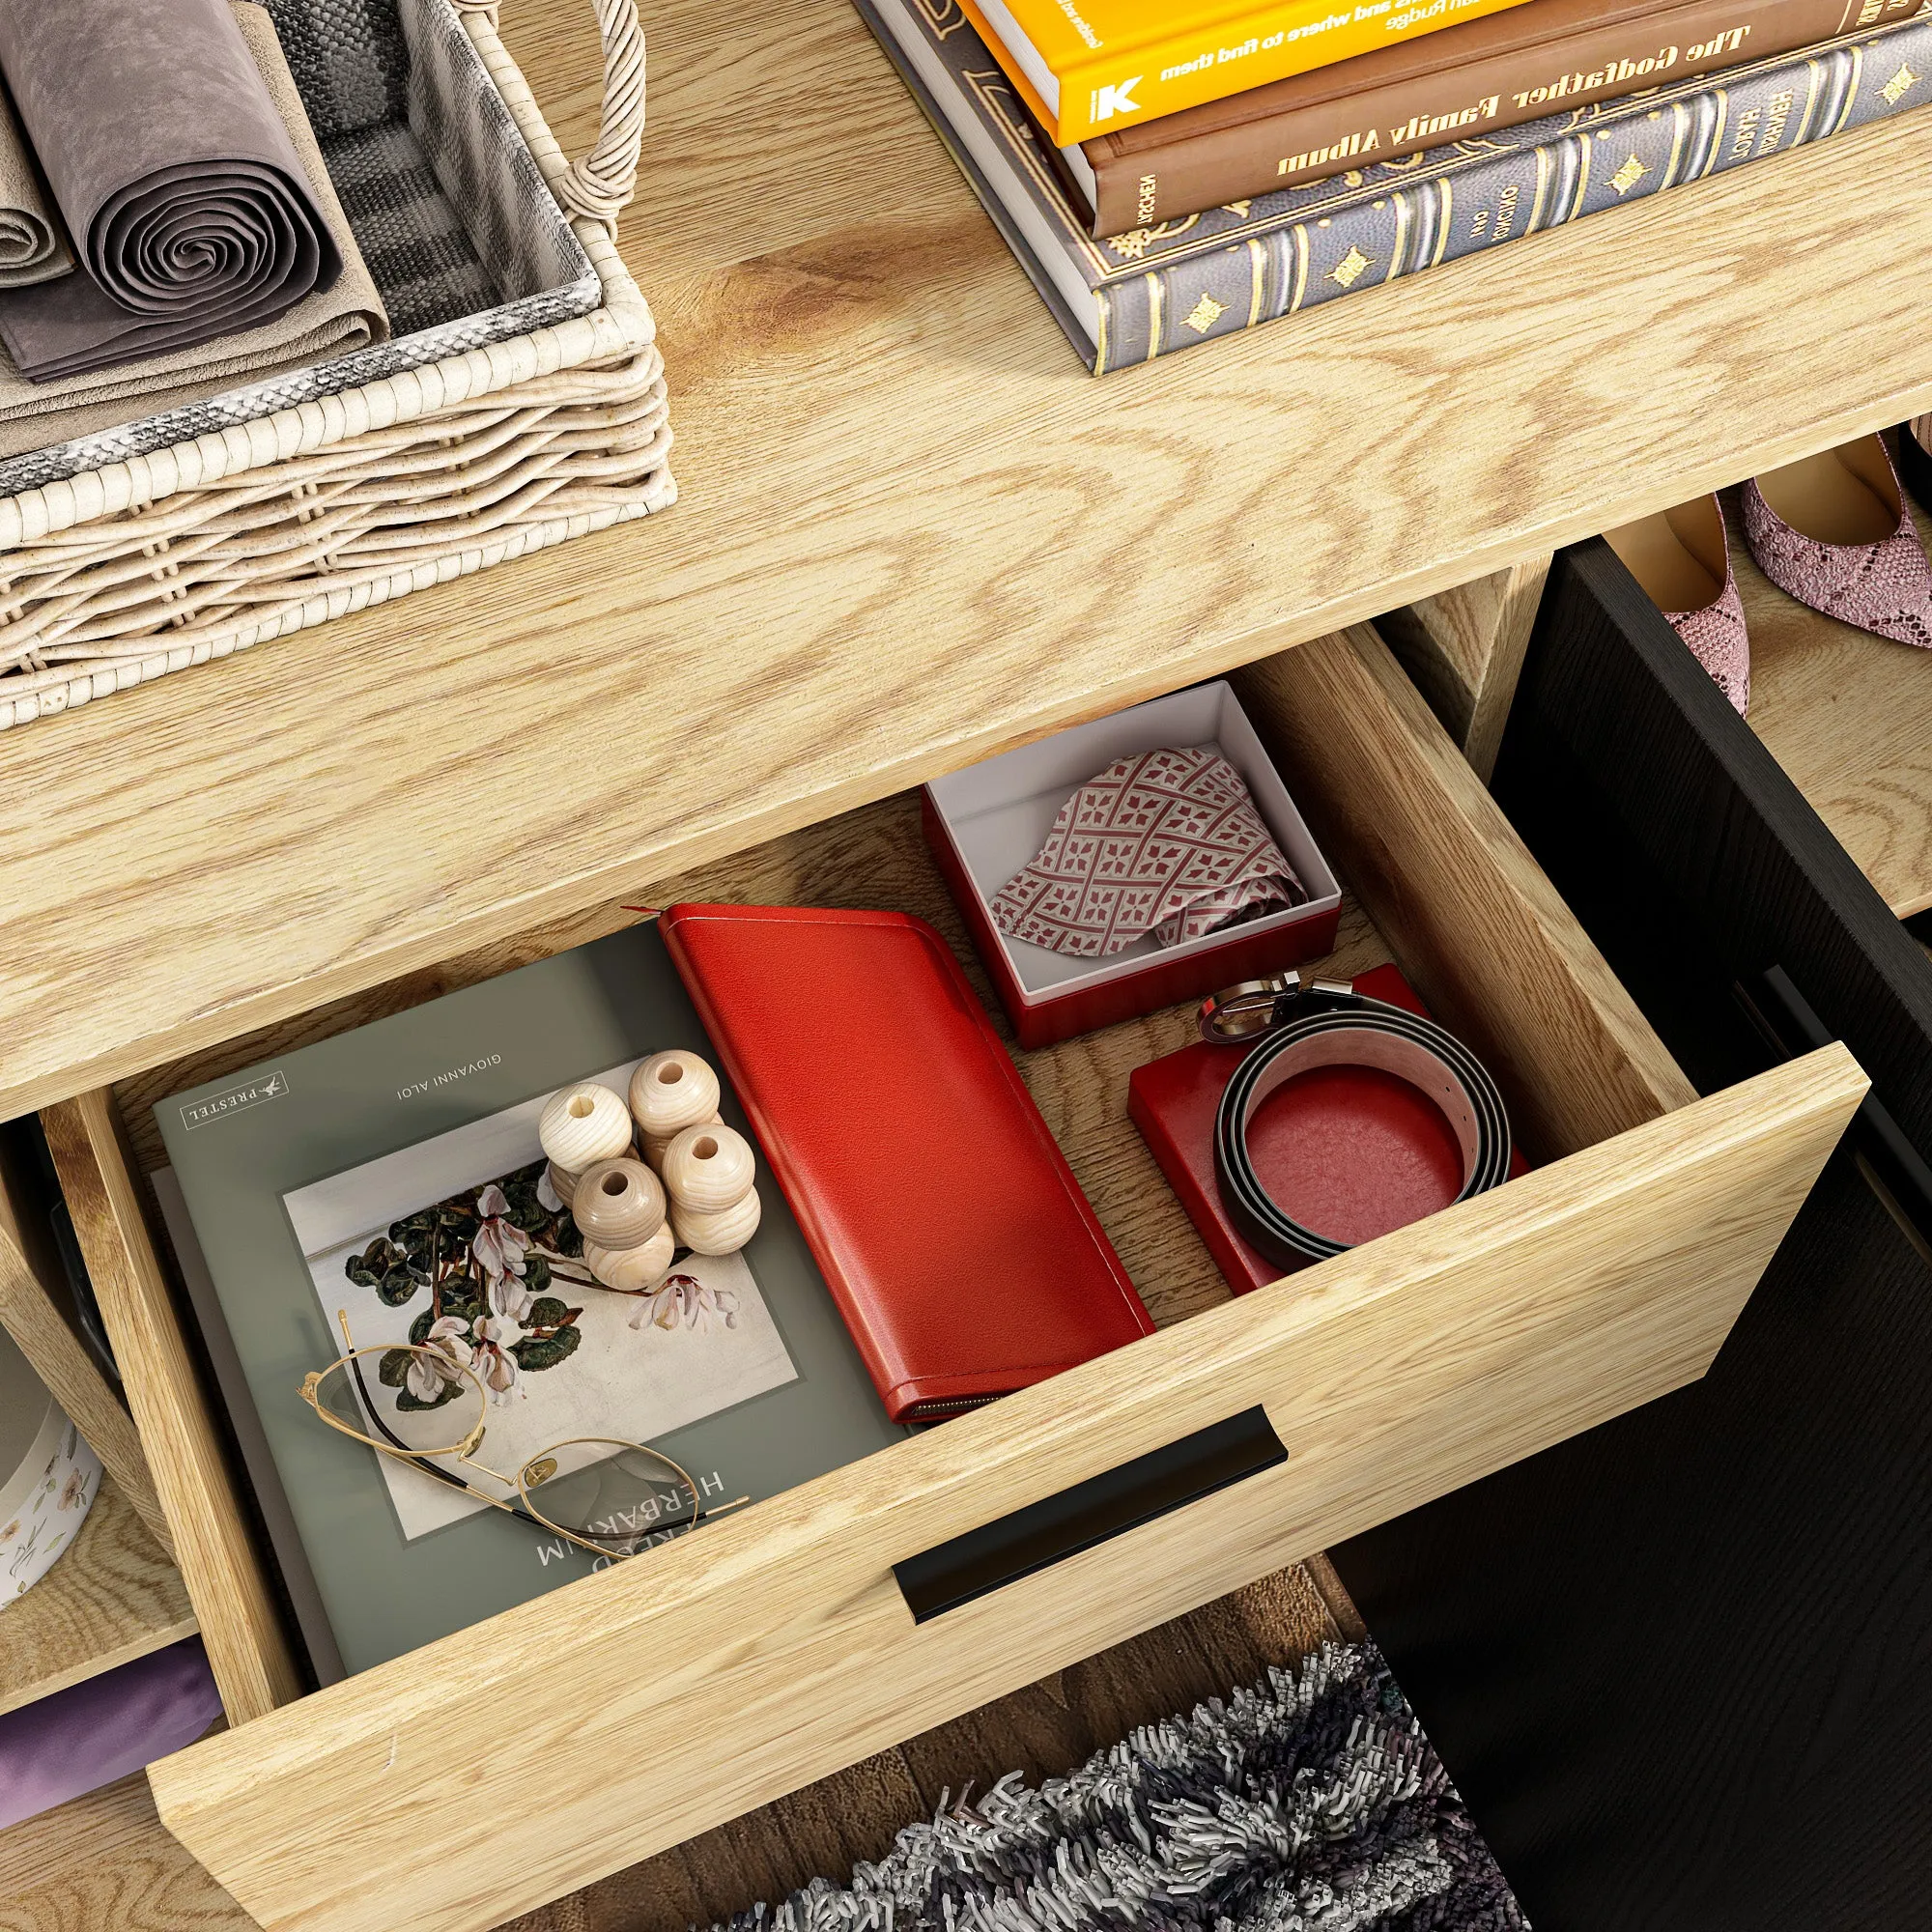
x=583, y=1125
x=706, y=1168
x=618, y=1203
x=672, y=1090
x=722, y=1234
x=657, y=1146
x=631, y=1270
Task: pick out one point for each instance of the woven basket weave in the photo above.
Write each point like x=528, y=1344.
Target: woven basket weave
x=124, y=573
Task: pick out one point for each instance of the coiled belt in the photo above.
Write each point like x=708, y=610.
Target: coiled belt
x=1324, y=1024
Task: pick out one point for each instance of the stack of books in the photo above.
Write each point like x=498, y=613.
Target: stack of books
x=1170, y=173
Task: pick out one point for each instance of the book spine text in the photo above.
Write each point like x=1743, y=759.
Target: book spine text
x=1428, y=219
x=1414, y=112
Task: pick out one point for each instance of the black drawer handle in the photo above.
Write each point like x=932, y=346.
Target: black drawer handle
x=1029, y=1539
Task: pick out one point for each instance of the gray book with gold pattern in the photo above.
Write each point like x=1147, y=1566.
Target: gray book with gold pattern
x=1133, y=296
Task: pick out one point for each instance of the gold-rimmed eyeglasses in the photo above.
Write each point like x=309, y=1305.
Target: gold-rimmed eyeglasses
x=611, y=1496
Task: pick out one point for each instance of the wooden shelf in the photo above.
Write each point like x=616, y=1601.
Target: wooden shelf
x=913, y=532
x=1849, y=716
x=110, y=1599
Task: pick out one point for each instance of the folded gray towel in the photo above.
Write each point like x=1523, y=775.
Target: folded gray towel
x=174, y=174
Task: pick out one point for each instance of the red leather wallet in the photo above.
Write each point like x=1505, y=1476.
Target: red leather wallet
x=958, y=1243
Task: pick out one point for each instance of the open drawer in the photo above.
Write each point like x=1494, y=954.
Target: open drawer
x=511, y=1762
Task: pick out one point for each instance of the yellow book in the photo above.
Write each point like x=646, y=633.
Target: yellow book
x=1091, y=66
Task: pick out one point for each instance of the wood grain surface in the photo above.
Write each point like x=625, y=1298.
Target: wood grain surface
x=873, y=857
x=105, y=1863
x=684, y=1691
x=912, y=532
x=110, y=1598
x=246, y=1648
x=1464, y=648
x=1482, y=936
x=1043, y=1731
x=1848, y=716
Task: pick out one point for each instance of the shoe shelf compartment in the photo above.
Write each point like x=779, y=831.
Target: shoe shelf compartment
x=731, y=1668
x=912, y=532
x=1849, y=716
x=110, y=1597
x=1614, y=711
x=114, y=1594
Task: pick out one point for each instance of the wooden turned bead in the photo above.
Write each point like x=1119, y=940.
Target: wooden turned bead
x=707, y=1168
x=631, y=1270
x=619, y=1205
x=657, y=1146
x=562, y=1183
x=723, y=1233
x=583, y=1125
x=672, y=1090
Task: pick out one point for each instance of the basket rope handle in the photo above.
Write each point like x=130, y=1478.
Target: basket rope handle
x=598, y=185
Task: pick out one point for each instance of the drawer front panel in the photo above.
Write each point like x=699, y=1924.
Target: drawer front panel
x=670, y=1694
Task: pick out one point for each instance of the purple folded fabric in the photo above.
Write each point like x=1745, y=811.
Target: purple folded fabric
x=80, y=1739
x=175, y=176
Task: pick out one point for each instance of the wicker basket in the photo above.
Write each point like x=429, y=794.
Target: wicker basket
x=124, y=573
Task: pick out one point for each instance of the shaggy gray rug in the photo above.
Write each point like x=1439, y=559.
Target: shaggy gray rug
x=1311, y=1803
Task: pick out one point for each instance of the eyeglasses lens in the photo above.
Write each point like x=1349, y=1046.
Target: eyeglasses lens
x=420, y=1396
x=615, y=1495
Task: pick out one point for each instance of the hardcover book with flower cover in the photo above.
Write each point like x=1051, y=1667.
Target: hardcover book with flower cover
x=386, y=1189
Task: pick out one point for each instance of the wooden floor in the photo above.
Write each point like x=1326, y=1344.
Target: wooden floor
x=105, y=1863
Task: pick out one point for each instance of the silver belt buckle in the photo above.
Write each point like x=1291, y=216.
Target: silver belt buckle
x=1241, y=1013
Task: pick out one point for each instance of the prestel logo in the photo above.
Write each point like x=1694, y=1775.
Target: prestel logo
x=198, y=1113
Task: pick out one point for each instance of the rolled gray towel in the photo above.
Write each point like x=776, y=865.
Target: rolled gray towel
x=32, y=247
x=175, y=176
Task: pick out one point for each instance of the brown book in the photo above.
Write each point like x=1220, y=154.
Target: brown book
x=1466, y=81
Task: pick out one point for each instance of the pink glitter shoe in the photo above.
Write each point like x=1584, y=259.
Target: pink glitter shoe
x=1682, y=561
x=1833, y=532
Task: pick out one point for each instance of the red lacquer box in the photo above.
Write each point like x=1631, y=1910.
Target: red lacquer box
x=986, y=824
x=1348, y=1151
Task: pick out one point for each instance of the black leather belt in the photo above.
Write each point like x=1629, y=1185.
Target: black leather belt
x=1324, y=1024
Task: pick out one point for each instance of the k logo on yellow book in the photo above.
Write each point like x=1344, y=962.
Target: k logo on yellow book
x=1118, y=61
